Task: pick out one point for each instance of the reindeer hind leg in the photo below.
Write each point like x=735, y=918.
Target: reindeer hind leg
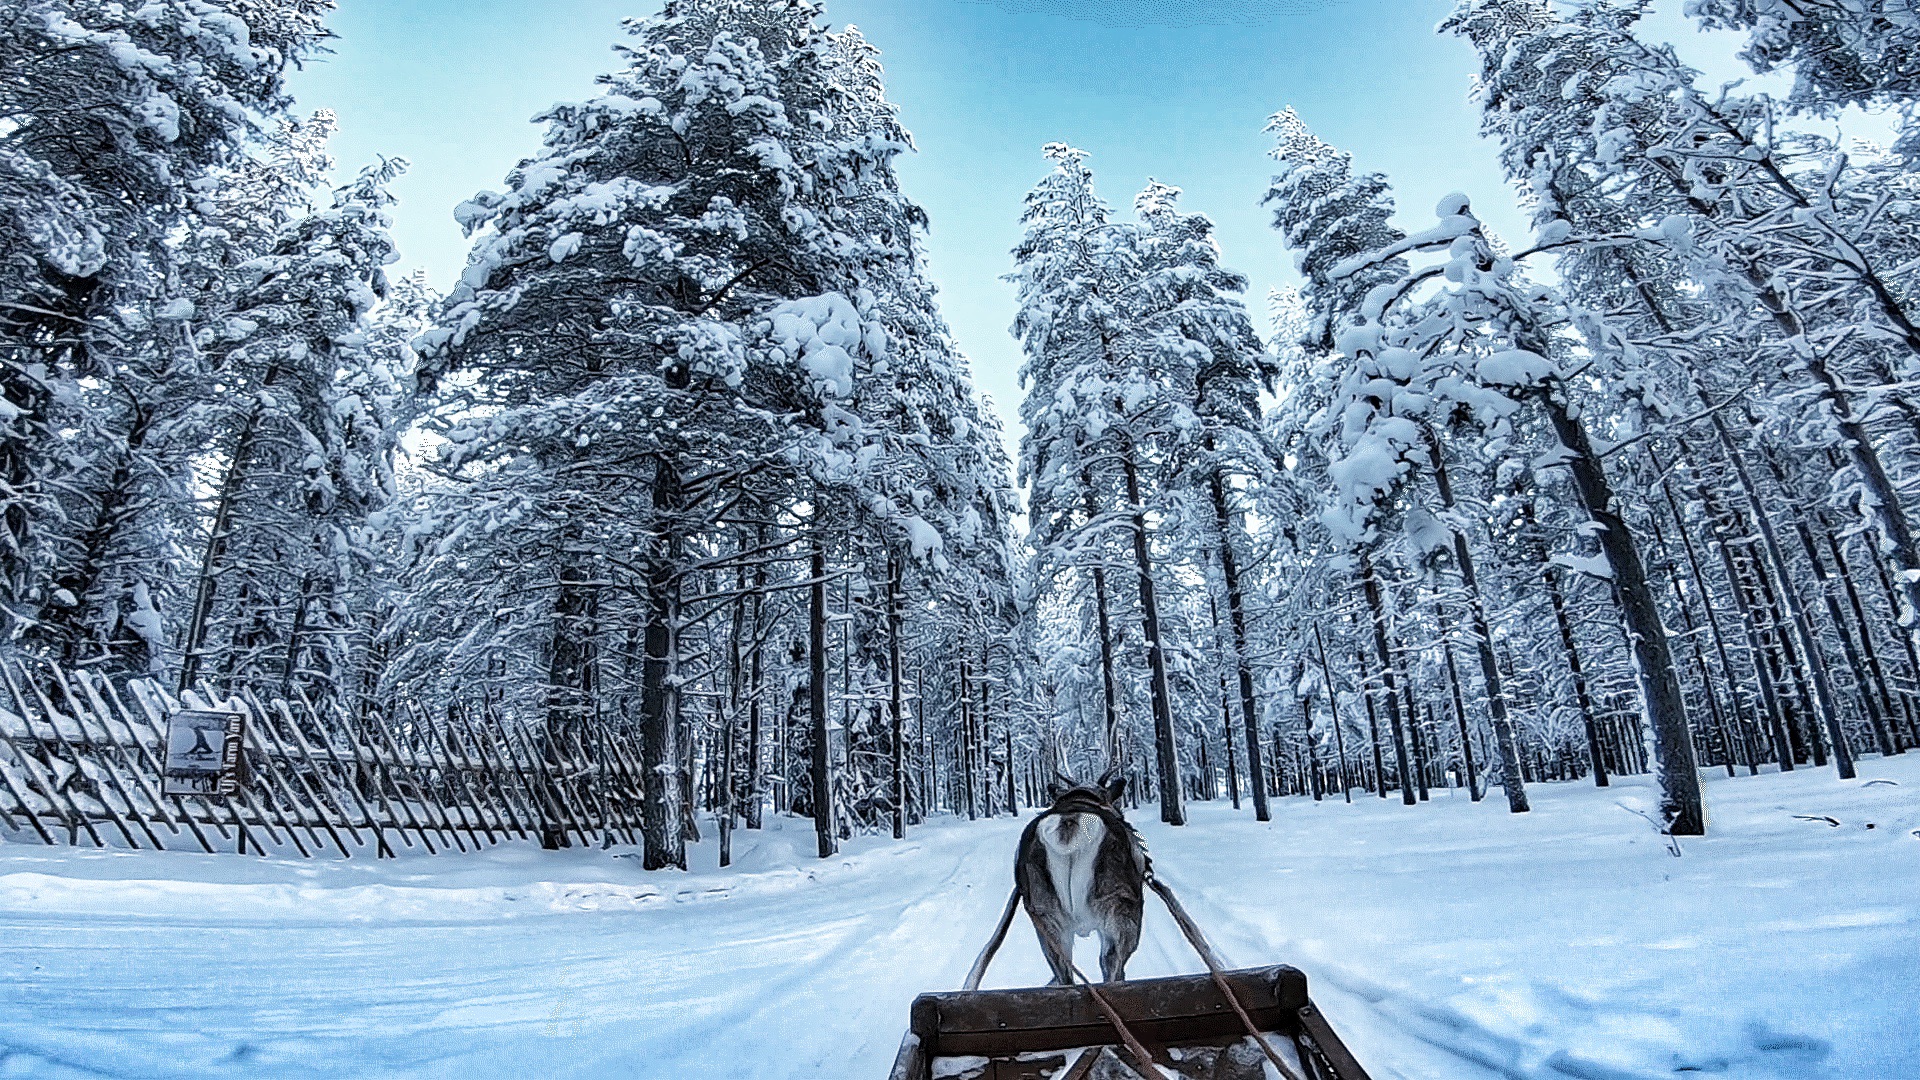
x=1057, y=945
x=1056, y=940
x=1118, y=940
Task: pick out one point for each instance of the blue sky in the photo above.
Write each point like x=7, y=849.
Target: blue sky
x=1174, y=90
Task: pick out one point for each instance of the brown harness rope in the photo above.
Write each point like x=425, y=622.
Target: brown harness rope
x=1134, y=1046
x=993, y=945
x=1200, y=945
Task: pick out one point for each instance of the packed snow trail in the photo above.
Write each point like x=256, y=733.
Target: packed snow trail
x=1445, y=941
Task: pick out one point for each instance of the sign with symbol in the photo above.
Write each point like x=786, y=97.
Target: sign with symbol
x=203, y=753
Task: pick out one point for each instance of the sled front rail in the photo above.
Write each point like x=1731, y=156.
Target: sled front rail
x=1185, y=1022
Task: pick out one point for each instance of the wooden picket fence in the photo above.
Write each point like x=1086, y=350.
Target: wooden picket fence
x=81, y=763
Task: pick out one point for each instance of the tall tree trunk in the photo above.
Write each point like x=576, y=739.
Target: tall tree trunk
x=1333, y=709
x=571, y=686
x=1741, y=705
x=207, y=581
x=1166, y=754
x=1482, y=640
x=1460, y=706
x=1006, y=736
x=822, y=767
x=1422, y=761
x=727, y=721
x=929, y=765
x=965, y=746
x=1825, y=584
x=1580, y=691
x=1659, y=685
x=983, y=733
x=1412, y=713
x=1226, y=708
x=1376, y=603
x=64, y=626
x=1690, y=634
x=661, y=824
x=1227, y=739
x=1892, y=744
x=291, y=663
x=730, y=717
x=1757, y=651
x=756, y=780
x=1313, y=754
x=1373, y=724
x=1105, y=620
x=897, y=678
x=1801, y=623
x=1907, y=647
x=1788, y=670
x=1237, y=620
x=1855, y=663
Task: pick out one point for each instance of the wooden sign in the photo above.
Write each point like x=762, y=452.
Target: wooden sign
x=203, y=753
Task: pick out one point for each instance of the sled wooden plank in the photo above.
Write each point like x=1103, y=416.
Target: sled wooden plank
x=1186, y=1009
x=1315, y=1027
x=911, y=1064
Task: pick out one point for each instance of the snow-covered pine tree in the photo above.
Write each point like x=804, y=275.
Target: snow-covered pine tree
x=1325, y=215
x=1192, y=308
x=1695, y=218
x=1069, y=224
x=1841, y=52
x=1328, y=216
x=677, y=323
x=1472, y=353
x=118, y=118
x=1101, y=408
x=297, y=454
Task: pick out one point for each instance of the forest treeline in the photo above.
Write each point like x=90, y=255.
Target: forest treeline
x=688, y=462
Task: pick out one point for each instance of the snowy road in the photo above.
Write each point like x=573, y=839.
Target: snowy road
x=1448, y=941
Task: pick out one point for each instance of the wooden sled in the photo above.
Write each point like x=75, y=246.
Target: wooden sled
x=1066, y=1033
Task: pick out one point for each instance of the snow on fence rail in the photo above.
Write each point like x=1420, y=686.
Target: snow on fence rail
x=81, y=763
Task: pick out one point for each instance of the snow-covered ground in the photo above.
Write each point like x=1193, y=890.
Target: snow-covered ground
x=1451, y=940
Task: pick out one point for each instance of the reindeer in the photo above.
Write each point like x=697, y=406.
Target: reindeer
x=1081, y=869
